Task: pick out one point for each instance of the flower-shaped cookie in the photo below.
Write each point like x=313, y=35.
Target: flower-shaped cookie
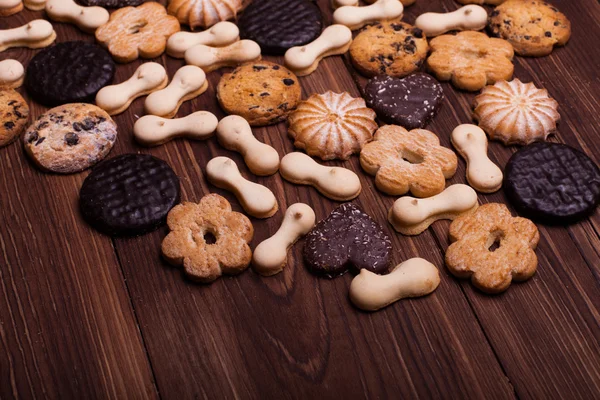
x=405, y=161
x=492, y=248
x=470, y=59
x=134, y=32
x=193, y=229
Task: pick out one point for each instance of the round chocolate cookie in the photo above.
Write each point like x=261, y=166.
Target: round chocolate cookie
x=410, y=102
x=110, y=3
x=277, y=25
x=552, y=183
x=69, y=72
x=14, y=113
x=129, y=195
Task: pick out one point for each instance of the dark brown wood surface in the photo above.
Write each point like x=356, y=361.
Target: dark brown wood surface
x=86, y=316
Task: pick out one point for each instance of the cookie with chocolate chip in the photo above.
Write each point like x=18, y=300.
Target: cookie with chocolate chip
x=70, y=138
x=14, y=113
x=391, y=48
x=533, y=27
x=262, y=92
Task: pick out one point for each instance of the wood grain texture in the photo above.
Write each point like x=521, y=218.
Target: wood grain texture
x=82, y=315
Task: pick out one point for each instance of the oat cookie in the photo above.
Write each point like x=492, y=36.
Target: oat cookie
x=470, y=59
x=533, y=27
x=404, y=161
x=208, y=239
x=14, y=113
x=391, y=48
x=262, y=92
x=70, y=138
x=473, y=253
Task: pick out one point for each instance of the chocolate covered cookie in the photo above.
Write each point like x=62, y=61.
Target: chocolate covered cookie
x=347, y=238
x=411, y=102
x=14, y=113
x=69, y=72
x=552, y=183
x=110, y=3
x=129, y=195
x=277, y=25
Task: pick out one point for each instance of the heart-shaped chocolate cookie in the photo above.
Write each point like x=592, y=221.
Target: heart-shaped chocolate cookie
x=347, y=238
x=410, y=102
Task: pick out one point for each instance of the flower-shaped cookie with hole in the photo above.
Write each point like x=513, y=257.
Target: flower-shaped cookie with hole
x=492, y=247
x=471, y=59
x=193, y=228
x=134, y=32
x=404, y=161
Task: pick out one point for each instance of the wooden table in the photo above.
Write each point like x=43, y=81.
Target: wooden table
x=86, y=316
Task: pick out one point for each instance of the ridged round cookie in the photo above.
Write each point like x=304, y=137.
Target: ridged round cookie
x=277, y=25
x=533, y=27
x=70, y=138
x=332, y=125
x=129, y=195
x=204, y=13
x=261, y=92
x=14, y=113
x=391, y=48
x=69, y=72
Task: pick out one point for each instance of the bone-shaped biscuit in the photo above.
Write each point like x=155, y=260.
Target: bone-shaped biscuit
x=88, y=19
x=341, y=3
x=151, y=130
x=270, y=256
x=212, y=58
x=10, y=7
x=148, y=78
x=357, y=17
x=34, y=35
x=337, y=183
x=472, y=144
x=413, y=278
x=257, y=200
x=221, y=34
x=189, y=82
x=35, y=5
x=411, y=216
x=467, y=18
x=12, y=74
x=303, y=60
x=234, y=133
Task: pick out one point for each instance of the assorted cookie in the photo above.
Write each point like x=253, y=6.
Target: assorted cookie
x=222, y=34
x=10, y=7
x=355, y=17
x=37, y=5
x=204, y=13
x=88, y=19
x=14, y=114
x=467, y=18
x=12, y=74
x=151, y=130
x=34, y=35
x=212, y=58
x=111, y=3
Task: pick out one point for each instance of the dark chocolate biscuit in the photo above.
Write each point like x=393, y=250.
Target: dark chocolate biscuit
x=110, y=3
x=347, y=238
x=411, y=102
x=129, y=195
x=70, y=72
x=552, y=183
x=277, y=25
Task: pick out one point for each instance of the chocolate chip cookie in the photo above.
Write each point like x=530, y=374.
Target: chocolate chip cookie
x=14, y=112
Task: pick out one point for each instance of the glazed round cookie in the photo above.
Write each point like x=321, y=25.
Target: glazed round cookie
x=14, y=113
x=110, y=3
x=129, y=195
x=277, y=25
x=70, y=138
x=69, y=72
x=261, y=92
x=552, y=183
x=391, y=48
x=533, y=27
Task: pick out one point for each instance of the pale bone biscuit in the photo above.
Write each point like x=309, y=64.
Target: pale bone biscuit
x=34, y=35
x=212, y=58
x=234, y=133
x=257, y=200
x=189, y=82
x=303, y=60
x=222, y=34
x=413, y=278
x=12, y=74
x=336, y=183
x=148, y=78
x=357, y=17
x=341, y=3
x=10, y=7
x=467, y=18
x=35, y=5
x=151, y=130
x=270, y=255
x=472, y=144
x=490, y=2
x=411, y=216
x=88, y=19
